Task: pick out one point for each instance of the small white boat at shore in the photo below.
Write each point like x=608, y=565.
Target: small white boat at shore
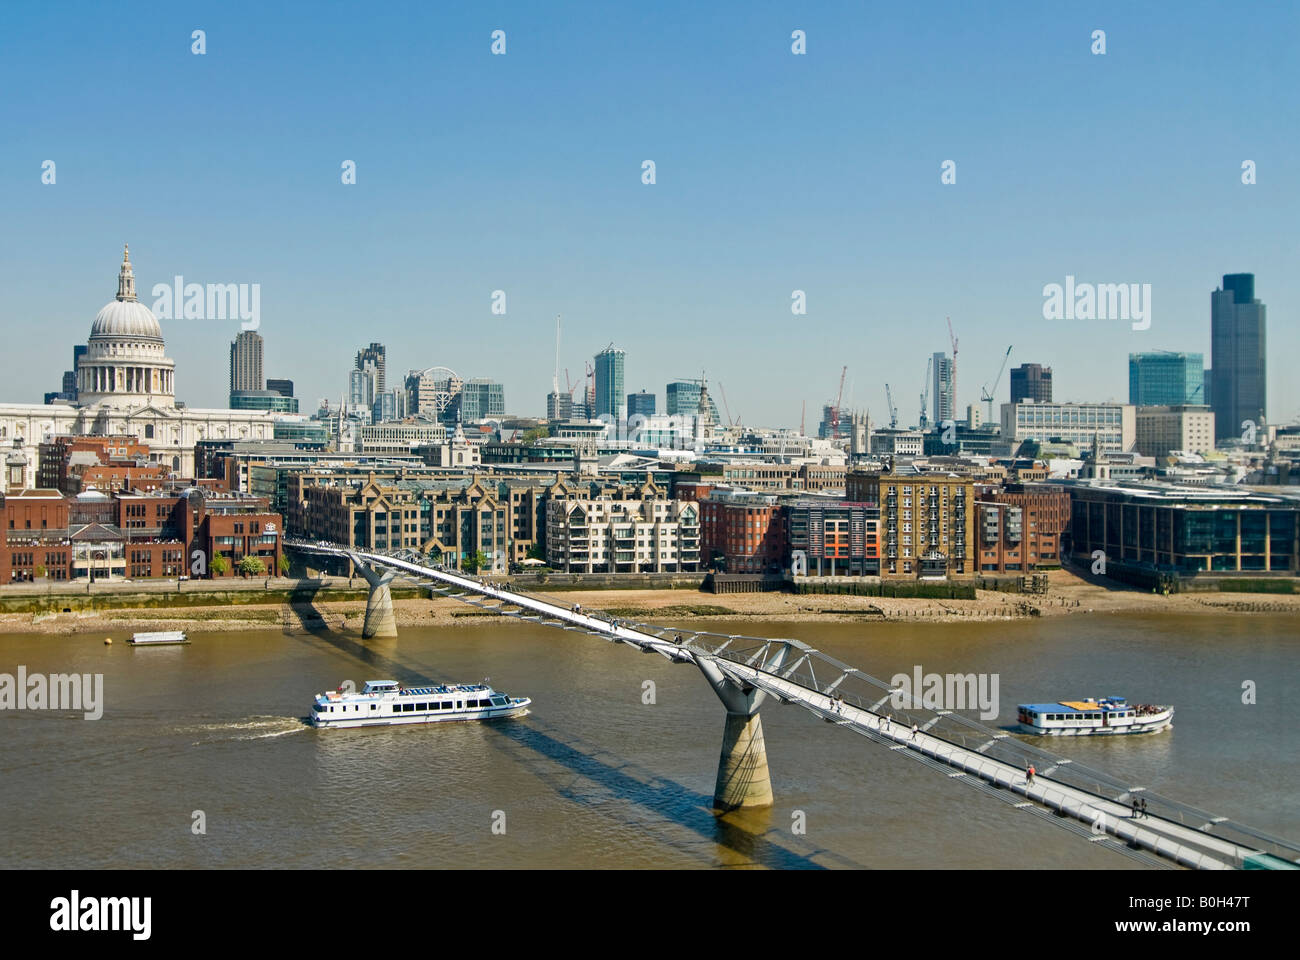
x=385, y=702
x=1089, y=716
x=158, y=638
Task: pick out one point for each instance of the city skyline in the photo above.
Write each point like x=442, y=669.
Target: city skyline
x=746, y=209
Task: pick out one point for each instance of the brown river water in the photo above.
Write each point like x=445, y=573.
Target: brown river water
x=595, y=778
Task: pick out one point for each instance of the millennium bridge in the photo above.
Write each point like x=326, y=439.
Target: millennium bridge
x=744, y=671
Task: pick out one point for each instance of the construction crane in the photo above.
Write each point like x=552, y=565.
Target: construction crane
x=952, y=383
x=835, y=410
x=555, y=377
x=893, y=410
x=726, y=406
x=986, y=394
x=925, y=393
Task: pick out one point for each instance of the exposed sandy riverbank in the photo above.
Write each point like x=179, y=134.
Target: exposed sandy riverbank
x=1067, y=594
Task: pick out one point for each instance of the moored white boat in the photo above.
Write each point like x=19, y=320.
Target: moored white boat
x=158, y=638
x=1089, y=716
x=385, y=702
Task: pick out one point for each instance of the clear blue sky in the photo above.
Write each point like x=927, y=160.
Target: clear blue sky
x=775, y=172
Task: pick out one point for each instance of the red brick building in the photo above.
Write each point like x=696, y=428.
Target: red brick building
x=742, y=532
x=36, y=543
x=134, y=535
x=1020, y=527
x=63, y=461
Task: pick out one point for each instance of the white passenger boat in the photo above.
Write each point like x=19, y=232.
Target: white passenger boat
x=385, y=702
x=159, y=638
x=1072, y=718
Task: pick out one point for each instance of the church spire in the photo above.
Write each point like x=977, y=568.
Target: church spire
x=125, y=278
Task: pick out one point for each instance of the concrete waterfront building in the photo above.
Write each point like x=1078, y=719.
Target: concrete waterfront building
x=927, y=522
x=1031, y=381
x=610, y=398
x=246, y=364
x=1238, y=358
x=1111, y=425
x=1164, y=378
x=126, y=386
x=1159, y=431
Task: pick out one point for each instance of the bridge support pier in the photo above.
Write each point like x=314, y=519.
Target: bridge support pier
x=743, y=776
x=380, y=621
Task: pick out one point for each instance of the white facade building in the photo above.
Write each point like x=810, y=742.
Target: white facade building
x=623, y=536
x=126, y=385
x=1163, y=430
x=1112, y=424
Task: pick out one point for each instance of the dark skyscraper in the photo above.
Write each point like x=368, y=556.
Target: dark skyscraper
x=1031, y=381
x=642, y=403
x=1238, y=389
x=246, y=363
x=376, y=354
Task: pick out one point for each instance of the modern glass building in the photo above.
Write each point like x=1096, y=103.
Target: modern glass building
x=302, y=432
x=642, y=403
x=479, y=399
x=684, y=399
x=609, y=383
x=384, y=408
x=1237, y=357
x=1166, y=379
x=1186, y=532
x=262, y=400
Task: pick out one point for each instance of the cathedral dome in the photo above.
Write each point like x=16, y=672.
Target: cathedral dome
x=126, y=317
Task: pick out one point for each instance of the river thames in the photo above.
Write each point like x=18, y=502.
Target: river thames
x=594, y=777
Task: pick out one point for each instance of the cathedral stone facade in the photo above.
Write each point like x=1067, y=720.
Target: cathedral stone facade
x=126, y=386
